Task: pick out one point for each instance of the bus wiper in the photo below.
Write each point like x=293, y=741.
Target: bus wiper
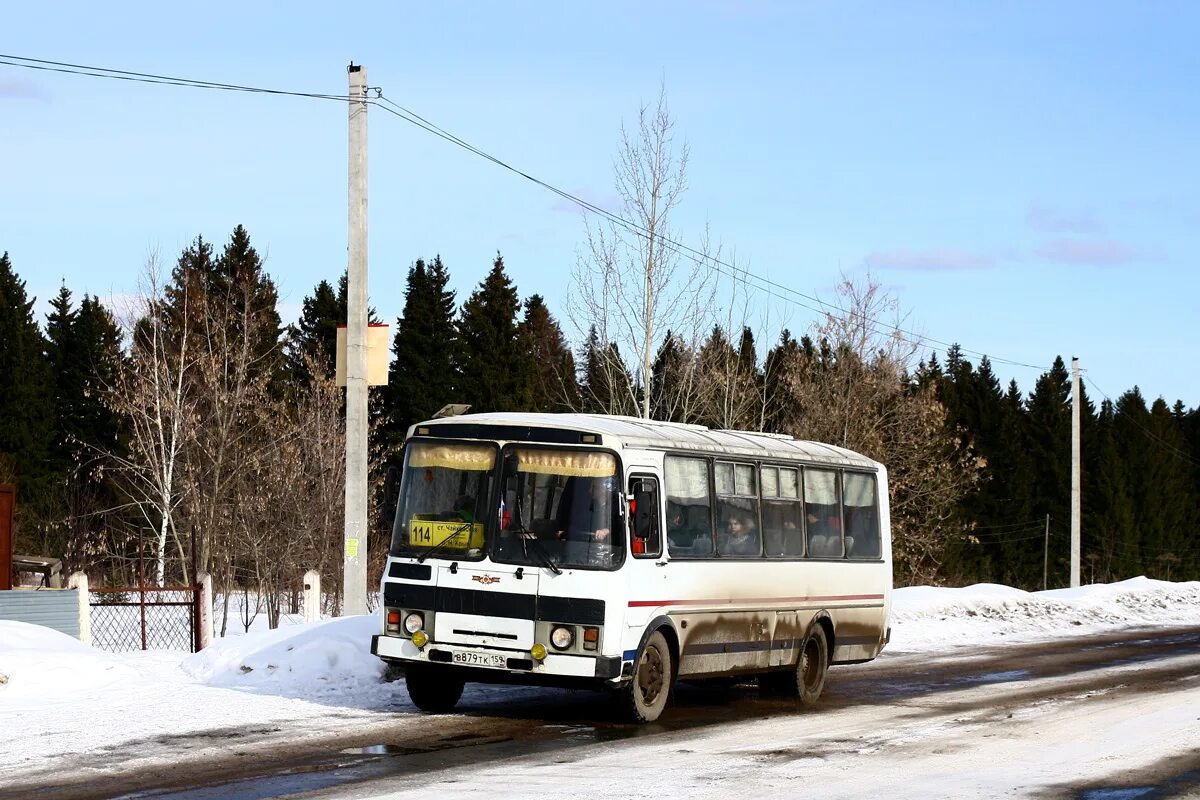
x=421, y=558
x=539, y=550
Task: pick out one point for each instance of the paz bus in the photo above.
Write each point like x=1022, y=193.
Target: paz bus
x=619, y=553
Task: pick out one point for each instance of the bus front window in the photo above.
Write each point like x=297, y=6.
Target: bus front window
x=560, y=508
x=445, y=495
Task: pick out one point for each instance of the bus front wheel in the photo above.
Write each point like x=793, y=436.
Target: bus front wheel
x=433, y=690
x=812, y=666
x=646, y=695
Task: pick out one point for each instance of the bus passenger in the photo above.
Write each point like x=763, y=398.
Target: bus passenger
x=740, y=539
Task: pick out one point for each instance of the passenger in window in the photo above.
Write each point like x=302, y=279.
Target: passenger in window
x=678, y=533
x=739, y=539
x=589, y=534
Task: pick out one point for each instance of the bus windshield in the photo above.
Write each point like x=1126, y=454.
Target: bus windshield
x=561, y=508
x=445, y=494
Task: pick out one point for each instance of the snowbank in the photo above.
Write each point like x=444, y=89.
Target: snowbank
x=39, y=665
x=323, y=658
x=929, y=618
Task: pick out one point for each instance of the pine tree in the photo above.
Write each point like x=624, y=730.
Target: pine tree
x=495, y=360
x=554, y=388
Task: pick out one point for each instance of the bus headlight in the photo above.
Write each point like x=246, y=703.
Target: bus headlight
x=562, y=637
x=414, y=622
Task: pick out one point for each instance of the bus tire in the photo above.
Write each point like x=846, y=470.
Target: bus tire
x=646, y=695
x=433, y=691
x=812, y=666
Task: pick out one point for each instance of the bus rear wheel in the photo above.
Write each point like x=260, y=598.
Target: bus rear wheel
x=646, y=695
x=812, y=666
x=433, y=690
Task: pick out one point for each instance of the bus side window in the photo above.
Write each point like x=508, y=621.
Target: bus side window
x=822, y=512
x=689, y=507
x=783, y=529
x=645, y=534
x=862, y=516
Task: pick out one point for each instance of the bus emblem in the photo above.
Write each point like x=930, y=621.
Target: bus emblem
x=485, y=579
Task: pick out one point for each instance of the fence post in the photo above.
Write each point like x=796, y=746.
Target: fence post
x=79, y=582
x=312, y=596
x=204, y=611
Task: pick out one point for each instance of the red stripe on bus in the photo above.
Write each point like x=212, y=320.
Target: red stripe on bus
x=750, y=600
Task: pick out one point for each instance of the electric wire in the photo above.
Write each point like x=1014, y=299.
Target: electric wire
x=146, y=77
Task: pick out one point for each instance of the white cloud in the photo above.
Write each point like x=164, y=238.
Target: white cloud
x=1090, y=252
x=1057, y=220
x=936, y=260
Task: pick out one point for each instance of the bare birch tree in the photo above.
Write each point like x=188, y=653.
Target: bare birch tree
x=151, y=396
x=632, y=284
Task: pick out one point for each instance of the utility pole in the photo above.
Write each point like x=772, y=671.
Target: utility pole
x=1075, y=468
x=354, y=575
x=1046, y=556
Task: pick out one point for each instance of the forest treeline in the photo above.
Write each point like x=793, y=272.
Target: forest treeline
x=192, y=430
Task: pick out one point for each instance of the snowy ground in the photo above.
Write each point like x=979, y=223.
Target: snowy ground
x=67, y=698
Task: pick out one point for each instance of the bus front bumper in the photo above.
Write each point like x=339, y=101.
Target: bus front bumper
x=399, y=649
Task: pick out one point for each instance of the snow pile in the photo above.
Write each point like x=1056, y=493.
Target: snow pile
x=328, y=657
x=39, y=664
x=930, y=618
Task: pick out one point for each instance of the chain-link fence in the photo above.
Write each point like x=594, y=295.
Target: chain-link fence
x=145, y=618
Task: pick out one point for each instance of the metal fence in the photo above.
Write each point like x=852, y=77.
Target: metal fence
x=146, y=618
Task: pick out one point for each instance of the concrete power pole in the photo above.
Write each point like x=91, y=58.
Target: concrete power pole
x=1075, y=468
x=354, y=577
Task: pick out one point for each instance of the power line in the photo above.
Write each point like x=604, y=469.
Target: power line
x=758, y=282
x=146, y=77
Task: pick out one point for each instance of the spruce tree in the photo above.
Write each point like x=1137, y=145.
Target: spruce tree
x=496, y=362
x=66, y=376
x=671, y=374
x=240, y=280
x=84, y=351
x=314, y=336
x=554, y=388
x=605, y=378
x=26, y=414
x=423, y=373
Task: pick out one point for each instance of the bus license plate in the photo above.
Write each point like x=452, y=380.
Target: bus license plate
x=480, y=659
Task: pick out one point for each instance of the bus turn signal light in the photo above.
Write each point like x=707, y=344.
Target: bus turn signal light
x=591, y=638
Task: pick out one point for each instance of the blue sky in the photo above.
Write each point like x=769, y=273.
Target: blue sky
x=1023, y=176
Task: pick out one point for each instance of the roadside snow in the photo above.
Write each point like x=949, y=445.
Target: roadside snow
x=927, y=618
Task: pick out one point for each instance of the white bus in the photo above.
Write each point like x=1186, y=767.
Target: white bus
x=620, y=553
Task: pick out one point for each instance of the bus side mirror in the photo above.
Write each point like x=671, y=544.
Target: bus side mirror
x=645, y=514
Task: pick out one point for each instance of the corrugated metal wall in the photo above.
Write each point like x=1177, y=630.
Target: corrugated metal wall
x=54, y=608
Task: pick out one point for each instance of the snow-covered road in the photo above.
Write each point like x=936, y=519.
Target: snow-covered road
x=985, y=692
